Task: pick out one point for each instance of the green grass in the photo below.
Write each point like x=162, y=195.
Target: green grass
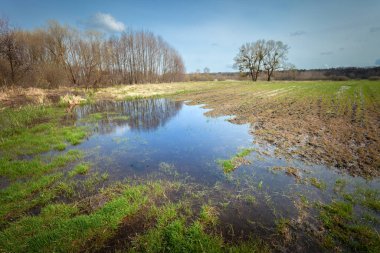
x=227, y=165
x=60, y=146
x=21, y=196
x=62, y=228
x=339, y=185
x=65, y=189
x=81, y=169
x=34, y=181
x=14, y=169
x=347, y=229
x=16, y=121
x=209, y=215
x=36, y=129
x=369, y=198
x=234, y=162
x=41, y=138
x=245, y=152
x=173, y=234
x=111, y=116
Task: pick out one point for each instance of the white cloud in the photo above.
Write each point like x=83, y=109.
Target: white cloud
x=105, y=22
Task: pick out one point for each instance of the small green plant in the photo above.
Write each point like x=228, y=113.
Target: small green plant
x=209, y=215
x=66, y=189
x=60, y=146
x=339, y=185
x=104, y=176
x=250, y=199
x=237, y=160
x=81, y=168
x=317, y=183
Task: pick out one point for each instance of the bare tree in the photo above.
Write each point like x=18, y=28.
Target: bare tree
x=86, y=58
x=255, y=56
x=275, y=57
x=13, y=51
x=250, y=57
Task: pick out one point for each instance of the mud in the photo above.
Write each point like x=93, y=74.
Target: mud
x=300, y=128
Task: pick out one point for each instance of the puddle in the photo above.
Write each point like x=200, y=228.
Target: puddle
x=139, y=138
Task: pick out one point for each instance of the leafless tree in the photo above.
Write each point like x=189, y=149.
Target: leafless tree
x=250, y=58
x=275, y=57
x=12, y=51
x=86, y=58
x=255, y=56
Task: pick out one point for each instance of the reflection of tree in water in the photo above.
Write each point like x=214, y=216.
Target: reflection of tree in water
x=143, y=114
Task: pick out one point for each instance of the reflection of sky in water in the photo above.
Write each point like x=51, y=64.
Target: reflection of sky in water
x=166, y=132
x=161, y=130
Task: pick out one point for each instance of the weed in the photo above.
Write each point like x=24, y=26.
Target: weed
x=104, y=176
x=81, y=169
x=65, y=189
x=237, y=160
x=339, y=185
x=317, y=183
x=60, y=146
x=250, y=199
x=209, y=215
x=369, y=198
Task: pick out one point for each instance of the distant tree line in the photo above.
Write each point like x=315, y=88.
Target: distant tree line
x=336, y=74
x=61, y=55
x=261, y=55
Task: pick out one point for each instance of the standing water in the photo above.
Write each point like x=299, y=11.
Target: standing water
x=166, y=139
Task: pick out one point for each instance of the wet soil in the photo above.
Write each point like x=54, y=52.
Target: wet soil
x=300, y=128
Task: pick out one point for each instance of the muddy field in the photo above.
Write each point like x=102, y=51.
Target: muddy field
x=191, y=167
x=336, y=123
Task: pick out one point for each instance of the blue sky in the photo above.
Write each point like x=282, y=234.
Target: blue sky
x=335, y=33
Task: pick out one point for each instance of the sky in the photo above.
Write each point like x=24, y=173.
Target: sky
x=320, y=34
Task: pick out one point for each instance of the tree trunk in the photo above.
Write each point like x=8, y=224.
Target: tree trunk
x=256, y=75
x=252, y=75
x=270, y=72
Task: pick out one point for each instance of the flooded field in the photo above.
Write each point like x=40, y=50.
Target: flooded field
x=152, y=174
x=165, y=139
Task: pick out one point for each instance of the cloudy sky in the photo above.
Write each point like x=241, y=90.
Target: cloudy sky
x=321, y=34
